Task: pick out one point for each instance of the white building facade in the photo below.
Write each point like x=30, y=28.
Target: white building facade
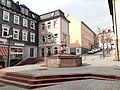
x=53, y=31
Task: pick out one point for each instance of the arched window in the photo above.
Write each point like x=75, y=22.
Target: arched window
x=55, y=50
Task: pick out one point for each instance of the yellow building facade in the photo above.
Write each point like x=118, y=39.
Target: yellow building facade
x=81, y=36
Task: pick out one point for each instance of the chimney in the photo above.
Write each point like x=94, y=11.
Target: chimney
x=17, y=2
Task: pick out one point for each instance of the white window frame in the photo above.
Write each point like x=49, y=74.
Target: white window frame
x=14, y=33
x=3, y=2
x=6, y=14
x=8, y=3
x=55, y=24
x=3, y=29
x=25, y=22
x=32, y=25
x=32, y=34
x=16, y=19
x=23, y=35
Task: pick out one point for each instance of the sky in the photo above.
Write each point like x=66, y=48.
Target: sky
x=94, y=13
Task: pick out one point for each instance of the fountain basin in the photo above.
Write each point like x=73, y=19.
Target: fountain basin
x=63, y=60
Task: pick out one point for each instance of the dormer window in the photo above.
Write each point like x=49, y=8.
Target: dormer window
x=26, y=11
x=3, y=2
x=33, y=15
x=8, y=3
x=52, y=14
x=22, y=10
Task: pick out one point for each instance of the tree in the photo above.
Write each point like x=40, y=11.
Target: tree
x=105, y=37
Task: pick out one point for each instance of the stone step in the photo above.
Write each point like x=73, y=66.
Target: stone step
x=104, y=76
x=26, y=85
x=56, y=80
x=33, y=76
x=61, y=76
x=22, y=75
x=39, y=81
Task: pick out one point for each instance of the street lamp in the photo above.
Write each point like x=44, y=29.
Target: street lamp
x=8, y=60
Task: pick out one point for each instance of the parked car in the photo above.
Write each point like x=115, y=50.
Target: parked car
x=92, y=51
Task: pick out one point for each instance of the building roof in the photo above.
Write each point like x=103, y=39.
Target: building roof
x=17, y=8
x=88, y=27
x=53, y=14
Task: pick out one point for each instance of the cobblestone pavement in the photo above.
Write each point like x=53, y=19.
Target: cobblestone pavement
x=89, y=84
x=97, y=60
x=91, y=64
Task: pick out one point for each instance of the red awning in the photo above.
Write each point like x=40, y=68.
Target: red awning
x=3, y=51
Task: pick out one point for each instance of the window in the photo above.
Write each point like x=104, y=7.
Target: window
x=49, y=38
x=55, y=50
x=25, y=22
x=3, y=2
x=16, y=19
x=43, y=26
x=15, y=33
x=49, y=25
x=52, y=14
x=32, y=37
x=64, y=37
x=14, y=49
x=43, y=39
x=31, y=52
x=26, y=12
x=24, y=35
x=77, y=50
x=6, y=15
x=33, y=15
x=5, y=30
x=55, y=24
x=42, y=50
x=22, y=10
x=49, y=51
x=8, y=3
x=32, y=25
x=55, y=37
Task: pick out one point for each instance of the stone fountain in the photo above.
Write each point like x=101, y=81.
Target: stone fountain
x=63, y=59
